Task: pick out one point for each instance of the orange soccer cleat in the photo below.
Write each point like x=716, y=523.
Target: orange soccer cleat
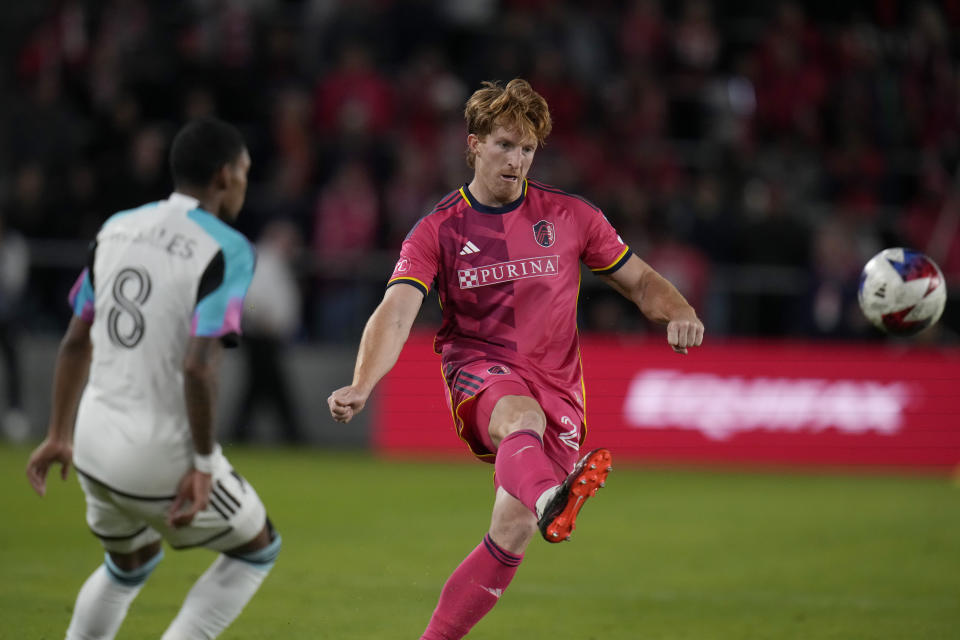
x=560, y=513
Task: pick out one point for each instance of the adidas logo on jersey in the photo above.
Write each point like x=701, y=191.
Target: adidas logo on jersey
x=469, y=248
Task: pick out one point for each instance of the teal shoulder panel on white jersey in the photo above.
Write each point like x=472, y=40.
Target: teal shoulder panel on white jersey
x=219, y=312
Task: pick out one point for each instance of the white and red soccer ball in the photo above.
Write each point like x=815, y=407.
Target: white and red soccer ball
x=902, y=292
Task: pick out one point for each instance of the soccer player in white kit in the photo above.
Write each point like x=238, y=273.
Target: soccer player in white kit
x=161, y=296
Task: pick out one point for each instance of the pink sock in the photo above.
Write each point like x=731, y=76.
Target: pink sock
x=523, y=469
x=471, y=591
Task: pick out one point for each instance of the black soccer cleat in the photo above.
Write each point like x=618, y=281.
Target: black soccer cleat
x=560, y=515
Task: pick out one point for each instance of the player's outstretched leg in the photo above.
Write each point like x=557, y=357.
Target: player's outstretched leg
x=220, y=594
x=105, y=597
x=472, y=591
x=483, y=577
x=558, y=516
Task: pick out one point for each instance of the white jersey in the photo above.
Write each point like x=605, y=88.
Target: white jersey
x=158, y=275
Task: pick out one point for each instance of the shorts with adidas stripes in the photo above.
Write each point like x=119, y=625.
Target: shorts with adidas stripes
x=126, y=522
x=474, y=391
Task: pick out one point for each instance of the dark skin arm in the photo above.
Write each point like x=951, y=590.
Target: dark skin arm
x=200, y=371
x=659, y=301
x=69, y=379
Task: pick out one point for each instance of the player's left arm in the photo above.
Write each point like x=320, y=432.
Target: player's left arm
x=69, y=379
x=201, y=369
x=659, y=301
x=216, y=323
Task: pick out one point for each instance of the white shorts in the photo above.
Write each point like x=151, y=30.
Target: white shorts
x=126, y=522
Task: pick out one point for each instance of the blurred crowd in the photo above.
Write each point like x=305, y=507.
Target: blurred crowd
x=756, y=153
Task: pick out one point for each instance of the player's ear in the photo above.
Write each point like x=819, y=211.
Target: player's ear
x=221, y=179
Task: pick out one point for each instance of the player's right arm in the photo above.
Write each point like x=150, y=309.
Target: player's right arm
x=383, y=338
x=69, y=379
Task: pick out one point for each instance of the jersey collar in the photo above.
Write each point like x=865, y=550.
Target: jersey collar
x=482, y=208
x=181, y=198
x=189, y=203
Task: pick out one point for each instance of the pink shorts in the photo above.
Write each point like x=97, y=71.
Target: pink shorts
x=473, y=393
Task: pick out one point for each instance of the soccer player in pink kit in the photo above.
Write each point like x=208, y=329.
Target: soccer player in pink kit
x=504, y=254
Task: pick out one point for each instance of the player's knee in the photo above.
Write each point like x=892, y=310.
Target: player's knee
x=131, y=577
x=510, y=417
x=530, y=420
x=132, y=560
x=514, y=533
x=263, y=557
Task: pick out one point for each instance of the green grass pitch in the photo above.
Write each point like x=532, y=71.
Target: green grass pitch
x=661, y=554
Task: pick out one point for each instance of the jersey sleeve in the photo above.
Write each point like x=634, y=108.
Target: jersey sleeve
x=82, y=297
x=604, y=251
x=419, y=258
x=221, y=291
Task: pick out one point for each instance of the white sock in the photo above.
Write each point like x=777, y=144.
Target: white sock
x=220, y=594
x=544, y=499
x=104, y=599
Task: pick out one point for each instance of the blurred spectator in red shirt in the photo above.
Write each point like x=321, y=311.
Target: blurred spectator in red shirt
x=408, y=194
x=930, y=84
x=792, y=84
x=550, y=78
x=427, y=91
x=347, y=214
x=346, y=224
x=643, y=33
x=354, y=97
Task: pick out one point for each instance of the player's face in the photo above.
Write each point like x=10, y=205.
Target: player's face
x=501, y=162
x=236, y=186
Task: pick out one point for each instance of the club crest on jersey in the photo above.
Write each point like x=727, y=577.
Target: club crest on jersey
x=540, y=267
x=498, y=370
x=545, y=233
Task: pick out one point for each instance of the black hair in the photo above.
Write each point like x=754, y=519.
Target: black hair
x=201, y=148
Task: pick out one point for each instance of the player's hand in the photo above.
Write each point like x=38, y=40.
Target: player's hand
x=193, y=496
x=48, y=452
x=346, y=402
x=684, y=333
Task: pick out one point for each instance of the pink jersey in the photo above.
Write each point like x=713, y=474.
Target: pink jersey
x=508, y=279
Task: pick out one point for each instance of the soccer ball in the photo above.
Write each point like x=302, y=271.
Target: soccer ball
x=902, y=292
